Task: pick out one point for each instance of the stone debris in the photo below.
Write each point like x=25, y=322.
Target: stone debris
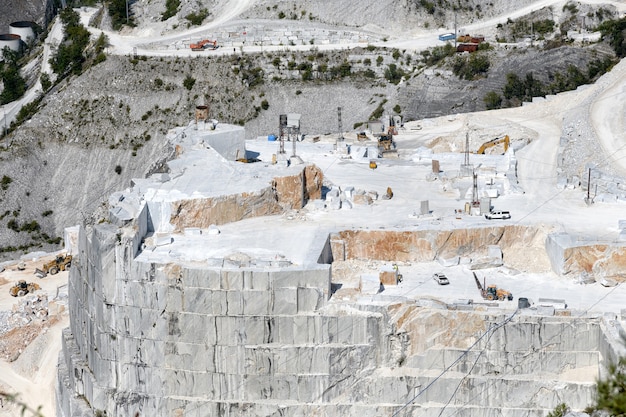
x=18, y=328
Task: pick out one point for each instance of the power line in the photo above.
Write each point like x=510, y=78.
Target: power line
x=446, y=369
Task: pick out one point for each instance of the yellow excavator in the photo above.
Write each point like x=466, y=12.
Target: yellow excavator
x=494, y=142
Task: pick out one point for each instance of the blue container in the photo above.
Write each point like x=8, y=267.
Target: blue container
x=271, y=138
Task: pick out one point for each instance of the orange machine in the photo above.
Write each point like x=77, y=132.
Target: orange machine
x=204, y=44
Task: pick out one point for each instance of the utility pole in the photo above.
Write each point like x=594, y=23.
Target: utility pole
x=467, y=149
x=339, y=123
x=455, y=34
x=588, y=199
x=475, y=202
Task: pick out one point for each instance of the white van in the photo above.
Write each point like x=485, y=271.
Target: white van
x=498, y=215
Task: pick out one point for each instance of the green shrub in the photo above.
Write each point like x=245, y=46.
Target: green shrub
x=13, y=225
x=14, y=84
x=117, y=12
x=559, y=411
x=470, y=67
x=189, y=82
x=492, y=100
x=368, y=73
x=614, y=32
x=394, y=74
x=171, y=8
x=378, y=112
x=253, y=76
x=5, y=182
x=30, y=227
x=197, y=18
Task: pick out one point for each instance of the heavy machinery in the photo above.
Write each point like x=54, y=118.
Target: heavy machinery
x=59, y=263
x=204, y=44
x=492, y=292
x=21, y=288
x=494, y=142
x=385, y=140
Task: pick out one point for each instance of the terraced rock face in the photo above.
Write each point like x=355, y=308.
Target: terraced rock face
x=174, y=339
x=285, y=193
x=38, y=11
x=518, y=243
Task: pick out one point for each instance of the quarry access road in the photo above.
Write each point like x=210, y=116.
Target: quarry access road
x=127, y=44
x=608, y=115
x=10, y=110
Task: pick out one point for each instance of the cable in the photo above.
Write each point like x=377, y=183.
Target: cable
x=469, y=372
x=446, y=369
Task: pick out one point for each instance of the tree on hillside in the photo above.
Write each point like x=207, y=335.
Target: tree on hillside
x=612, y=390
x=14, y=84
x=615, y=32
x=120, y=15
x=70, y=55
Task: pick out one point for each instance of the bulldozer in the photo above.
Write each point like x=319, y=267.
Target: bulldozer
x=21, y=288
x=492, y=292
x=59, y=263
x=506, y=141
x=385, y=141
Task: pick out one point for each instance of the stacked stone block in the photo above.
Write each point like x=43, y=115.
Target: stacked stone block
x=175, y=339
x=154, y=338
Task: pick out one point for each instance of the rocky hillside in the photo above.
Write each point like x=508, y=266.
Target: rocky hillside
x=38, y=11
x=389, y=17
x=95, y=132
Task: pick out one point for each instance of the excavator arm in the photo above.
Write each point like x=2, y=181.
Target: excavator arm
x=505, y=140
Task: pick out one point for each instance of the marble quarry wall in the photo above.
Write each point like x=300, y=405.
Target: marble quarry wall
x=150, y=339
x=155, y=338
x=284, y=193
x=516, y=242
x=522, y=247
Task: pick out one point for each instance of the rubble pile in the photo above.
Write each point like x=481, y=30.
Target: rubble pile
x=22, y=325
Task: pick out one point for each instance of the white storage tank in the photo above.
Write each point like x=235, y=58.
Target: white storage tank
x=11, y=41
x=25, y=29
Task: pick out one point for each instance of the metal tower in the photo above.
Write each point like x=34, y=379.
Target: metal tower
x=339, y=122
x=282, y=127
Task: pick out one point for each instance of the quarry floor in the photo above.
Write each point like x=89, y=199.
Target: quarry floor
x=32, y=374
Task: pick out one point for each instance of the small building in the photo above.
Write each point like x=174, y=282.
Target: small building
x=467, y=47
